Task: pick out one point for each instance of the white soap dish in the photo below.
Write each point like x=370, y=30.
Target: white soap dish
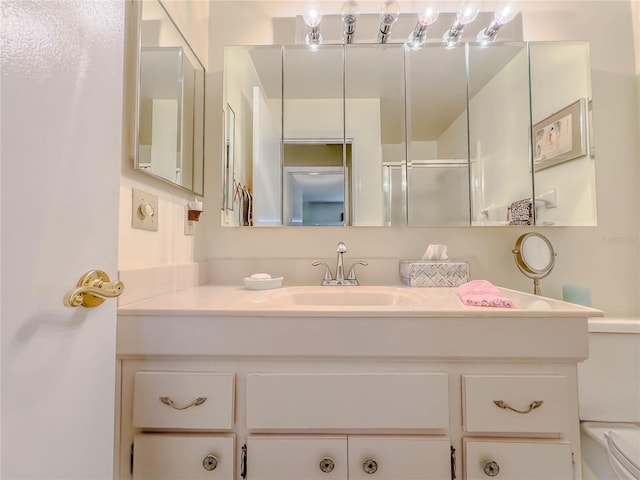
x=262, y=283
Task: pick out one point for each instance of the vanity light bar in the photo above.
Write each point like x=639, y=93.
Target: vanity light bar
x=427, y=14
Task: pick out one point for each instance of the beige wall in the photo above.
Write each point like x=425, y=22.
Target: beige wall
x=603, y=258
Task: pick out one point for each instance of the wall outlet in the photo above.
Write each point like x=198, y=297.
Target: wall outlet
x=189, y=225
x=144, y=211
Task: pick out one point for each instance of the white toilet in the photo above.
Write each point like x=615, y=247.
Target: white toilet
x=609, y=393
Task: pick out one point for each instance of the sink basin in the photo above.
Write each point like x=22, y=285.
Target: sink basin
x=352, y=296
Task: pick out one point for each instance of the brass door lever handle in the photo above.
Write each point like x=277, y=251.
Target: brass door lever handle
x=92, y=289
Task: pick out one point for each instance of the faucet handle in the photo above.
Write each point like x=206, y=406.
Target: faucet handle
x=327, y=270
x=342, y=248
x=352, y=270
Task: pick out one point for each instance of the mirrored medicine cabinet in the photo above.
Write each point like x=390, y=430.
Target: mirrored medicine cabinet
x=380, y=135
x=170, y=100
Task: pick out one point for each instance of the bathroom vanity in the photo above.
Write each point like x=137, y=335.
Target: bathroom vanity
x=347, y=382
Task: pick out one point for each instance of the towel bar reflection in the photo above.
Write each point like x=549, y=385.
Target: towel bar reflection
x=92, y=289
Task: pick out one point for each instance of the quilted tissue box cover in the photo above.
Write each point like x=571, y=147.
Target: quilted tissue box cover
x=433, y=273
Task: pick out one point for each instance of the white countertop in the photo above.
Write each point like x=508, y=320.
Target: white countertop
x=432, y=323
x=425, y=302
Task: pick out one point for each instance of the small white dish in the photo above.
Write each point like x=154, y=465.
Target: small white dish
x=262, y=283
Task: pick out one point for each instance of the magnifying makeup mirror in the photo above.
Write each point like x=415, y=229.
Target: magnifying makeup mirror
x=535, y=257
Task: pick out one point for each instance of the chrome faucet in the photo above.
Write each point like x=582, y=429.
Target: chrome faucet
x=339, y=278
x=342, y=249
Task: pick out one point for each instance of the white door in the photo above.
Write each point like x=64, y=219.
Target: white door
x=61, y=154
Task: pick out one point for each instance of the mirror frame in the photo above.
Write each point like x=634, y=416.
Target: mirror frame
x=196, y=189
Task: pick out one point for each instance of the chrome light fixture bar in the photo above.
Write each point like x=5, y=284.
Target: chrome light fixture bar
x=428, y=14
x=504, y=13
x=389, y=14
x=312, y=17
x=350, y=12
x=467, y=13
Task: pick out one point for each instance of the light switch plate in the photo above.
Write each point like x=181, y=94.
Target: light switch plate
x=144, y=211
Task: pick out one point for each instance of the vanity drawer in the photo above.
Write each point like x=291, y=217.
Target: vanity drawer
x=517, y=460
x=410, y=401
x=296, y=458
x=481, y=393
x=183, y=400
x=163, y=456
x=399, y=458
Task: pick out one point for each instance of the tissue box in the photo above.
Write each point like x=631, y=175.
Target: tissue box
x=433, y=273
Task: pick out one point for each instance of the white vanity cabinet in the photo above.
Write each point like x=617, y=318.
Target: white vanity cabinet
x=537, y=404
x=399, y=458
x=180, y=456
x=530, y=413
x=350, y=402
x=347, y=401
x=405, y=393
x=297, y=457
x=517, y=460
x=173, y=415
x=348, y=457
x=168, y=400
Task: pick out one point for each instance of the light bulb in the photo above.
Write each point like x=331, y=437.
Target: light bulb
x=467, y=12
x=505, y=12
x=428, y=13
x=350, y=9
x=312, y=14
x=389, y=12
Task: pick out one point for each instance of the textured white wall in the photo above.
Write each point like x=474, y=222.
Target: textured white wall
x=604, y=258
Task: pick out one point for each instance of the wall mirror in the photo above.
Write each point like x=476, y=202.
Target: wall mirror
x=564, y=170
x=170, y=102
x=372, y=135
x=437, y=174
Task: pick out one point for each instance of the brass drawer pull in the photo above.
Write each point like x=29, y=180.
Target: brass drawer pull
x=195, y=403
x=532, y=406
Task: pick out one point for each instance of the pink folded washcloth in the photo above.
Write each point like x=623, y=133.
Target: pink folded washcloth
x=482, y=293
